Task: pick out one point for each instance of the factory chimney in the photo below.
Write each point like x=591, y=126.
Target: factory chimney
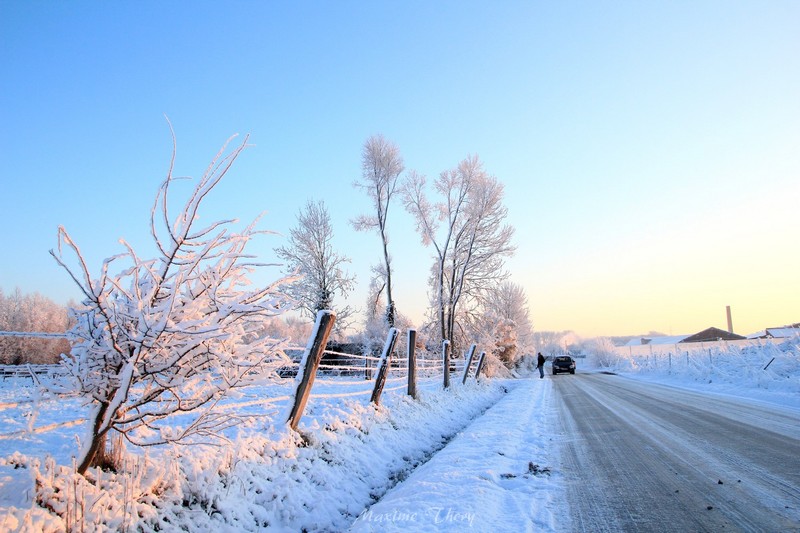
x=730, y=321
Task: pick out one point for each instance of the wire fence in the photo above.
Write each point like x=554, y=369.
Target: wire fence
x=33, y=334
x=696, y=358
x=25, y=394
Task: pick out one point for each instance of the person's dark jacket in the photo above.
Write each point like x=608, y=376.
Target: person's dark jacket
x=540, y=360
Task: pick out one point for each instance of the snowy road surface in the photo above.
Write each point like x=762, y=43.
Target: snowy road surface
x=645, y=457
x=496, y=475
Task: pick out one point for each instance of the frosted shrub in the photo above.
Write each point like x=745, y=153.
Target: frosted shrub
x=173, y=334
x=602, y=353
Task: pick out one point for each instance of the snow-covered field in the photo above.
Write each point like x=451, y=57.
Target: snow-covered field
x=770, y=372
x=348, y=455
x=480, y=456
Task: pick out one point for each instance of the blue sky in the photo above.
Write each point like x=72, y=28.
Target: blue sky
x=650, y=151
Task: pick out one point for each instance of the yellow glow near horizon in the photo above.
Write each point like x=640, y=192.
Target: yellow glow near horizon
x=678, y=282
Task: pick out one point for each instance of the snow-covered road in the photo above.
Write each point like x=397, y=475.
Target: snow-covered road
x=496, y=475
x=596, y=452
x=645, y=457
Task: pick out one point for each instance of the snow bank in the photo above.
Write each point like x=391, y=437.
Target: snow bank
x=349, y=453
x=768, y=372
x=500, y=474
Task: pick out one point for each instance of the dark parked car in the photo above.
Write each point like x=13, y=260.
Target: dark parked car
x=563, y=363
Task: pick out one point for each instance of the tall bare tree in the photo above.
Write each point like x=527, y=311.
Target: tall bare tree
x=467, y=230
x=310, y=254
x=381, y=166
x=173, y=334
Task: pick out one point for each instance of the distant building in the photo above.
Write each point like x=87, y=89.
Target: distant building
x=713, y=334
x=643, y=341
x=707, y=335
x=783, y=332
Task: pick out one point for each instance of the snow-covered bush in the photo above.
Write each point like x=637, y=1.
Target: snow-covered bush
x=505, y=341
x=173, y=334
x=601, y=352
x=526, y=364
x=493, y=367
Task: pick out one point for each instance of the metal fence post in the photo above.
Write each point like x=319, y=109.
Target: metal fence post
x=309, y=364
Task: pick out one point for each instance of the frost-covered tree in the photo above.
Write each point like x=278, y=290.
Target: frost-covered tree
x=508, y=300
x=310, y=254
x=468, y=233
x=504, y=322
x=375, y=325
x=601, y=352
x=504, y=340
x=174, y=334
x=381, y=166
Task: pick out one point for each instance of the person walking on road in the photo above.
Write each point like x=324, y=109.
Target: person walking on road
x=540, y=365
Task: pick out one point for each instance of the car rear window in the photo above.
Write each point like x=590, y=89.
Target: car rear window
x=563, y=359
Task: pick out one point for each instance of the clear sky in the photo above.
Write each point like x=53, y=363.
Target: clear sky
x=650, y=150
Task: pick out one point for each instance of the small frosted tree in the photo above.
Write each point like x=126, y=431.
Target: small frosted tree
x=503, y=320
x=310, y=254
x=174, y=334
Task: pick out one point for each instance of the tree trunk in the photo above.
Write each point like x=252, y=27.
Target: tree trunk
x=98, y=441
x=390, y=310
x=441, y=300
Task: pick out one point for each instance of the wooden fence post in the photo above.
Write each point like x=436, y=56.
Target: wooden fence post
x=367, y=369
x=412, y=363
x=469, y=362
x=309, y=364
x=446, y=362
x=481, y=360
x=383, y=366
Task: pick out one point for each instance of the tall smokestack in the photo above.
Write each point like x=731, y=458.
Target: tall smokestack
x=730, y=321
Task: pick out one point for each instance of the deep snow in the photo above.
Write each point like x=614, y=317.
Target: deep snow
x=496, y=467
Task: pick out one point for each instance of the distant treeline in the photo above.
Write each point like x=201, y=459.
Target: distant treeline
x=39, y=314
x=34, y=313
